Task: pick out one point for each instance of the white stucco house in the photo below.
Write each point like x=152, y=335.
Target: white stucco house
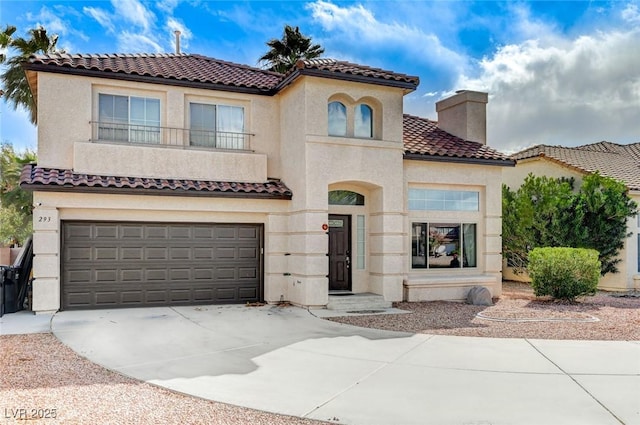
x=175, y=179
x=620, y=162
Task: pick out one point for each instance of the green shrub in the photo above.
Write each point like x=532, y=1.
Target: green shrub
x=564, y=273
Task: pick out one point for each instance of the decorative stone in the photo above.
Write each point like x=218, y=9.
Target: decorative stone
x=479, y=295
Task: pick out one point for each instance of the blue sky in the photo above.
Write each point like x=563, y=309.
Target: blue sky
x=565, y=73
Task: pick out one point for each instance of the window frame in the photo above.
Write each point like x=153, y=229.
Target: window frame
x=333, y=120
x=131, y=129
x=357, y=112
x=422, y=247
x=442, y=200
x=217, y=138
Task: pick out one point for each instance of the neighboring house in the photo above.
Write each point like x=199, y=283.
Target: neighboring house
x=621, y=162
x=176, y=179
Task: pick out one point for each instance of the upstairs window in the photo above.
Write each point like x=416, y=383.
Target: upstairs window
x=217, y=126
x=363, y=122
x=128, y=119
x=337, y=119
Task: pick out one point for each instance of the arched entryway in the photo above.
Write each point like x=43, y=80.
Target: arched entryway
x=347, y=239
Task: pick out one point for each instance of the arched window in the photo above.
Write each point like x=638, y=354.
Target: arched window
x=345, y=197
x=337, y=119
x=363, y=122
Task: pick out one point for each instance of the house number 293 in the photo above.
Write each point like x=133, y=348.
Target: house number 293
x=44, y=219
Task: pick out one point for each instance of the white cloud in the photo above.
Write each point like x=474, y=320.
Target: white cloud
x=582, y=90
x=137, y=43
x=631, y=13
x=49, y=20
x=104, y=18
x=357, y=26
x=134, y=12
x=167, y=6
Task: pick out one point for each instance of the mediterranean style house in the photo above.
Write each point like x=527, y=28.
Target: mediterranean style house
x=620, y=162
x=175, y=179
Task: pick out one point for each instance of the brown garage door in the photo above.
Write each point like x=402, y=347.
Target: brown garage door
x=118, y=264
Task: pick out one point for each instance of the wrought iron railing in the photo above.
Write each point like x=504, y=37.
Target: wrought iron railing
x=168, y=136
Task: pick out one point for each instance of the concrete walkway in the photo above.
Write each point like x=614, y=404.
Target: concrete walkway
x=286, y=360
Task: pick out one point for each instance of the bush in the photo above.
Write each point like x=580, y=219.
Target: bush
x=564, y=273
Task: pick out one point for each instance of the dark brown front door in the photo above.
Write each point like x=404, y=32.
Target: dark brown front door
x=339, y=252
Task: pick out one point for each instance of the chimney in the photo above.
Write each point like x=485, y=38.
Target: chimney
x=177, y=33
x=464, y=115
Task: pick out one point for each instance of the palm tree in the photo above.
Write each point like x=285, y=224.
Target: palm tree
x=5, y=41
x=284, y=53
x=15, y=87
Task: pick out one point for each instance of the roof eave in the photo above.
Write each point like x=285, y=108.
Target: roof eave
x=459, y=159
x=291, y=77
x=148, y=79
x=157, y=192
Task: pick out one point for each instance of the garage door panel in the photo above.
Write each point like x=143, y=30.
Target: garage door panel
x=180, y=274
x=131, y=275
x=156, y=253
x=105, y=253
x=225, y=253
x=181, y=253
x=156, y=275
x=248, y=273
x=108, y=232
x=131, y=297
x=80, y=253
x=156, y=232
x=106, y=276
x=156, y=297
x=226, y=232
x=107, y=298
x=150, y=264
x=202, y=232
x=250, y=253
x=247, y=233
x=77, y=231
x=129, y=232
x=133, y=253
x=180, y=232
x=247, y=293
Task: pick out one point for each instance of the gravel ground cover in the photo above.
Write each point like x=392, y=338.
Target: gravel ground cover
x=41, y=377
x=518, y=314
x=44, y=382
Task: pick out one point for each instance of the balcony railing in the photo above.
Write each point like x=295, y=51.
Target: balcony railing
x=168, y=136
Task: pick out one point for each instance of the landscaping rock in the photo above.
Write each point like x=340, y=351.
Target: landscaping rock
x=479, y=295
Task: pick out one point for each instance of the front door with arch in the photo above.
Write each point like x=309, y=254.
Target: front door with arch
x=339, y=252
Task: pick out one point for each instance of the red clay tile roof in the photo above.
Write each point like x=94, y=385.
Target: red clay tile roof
x=204, y=72
x=334, y=68
x=176, y=67
x=38, y=178
x=621, y=162
x=424, y=140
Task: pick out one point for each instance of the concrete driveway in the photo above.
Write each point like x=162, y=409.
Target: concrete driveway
x=286, y=360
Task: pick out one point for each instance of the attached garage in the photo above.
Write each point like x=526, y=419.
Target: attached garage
x=127, y=264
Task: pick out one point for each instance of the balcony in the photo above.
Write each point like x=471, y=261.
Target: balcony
x=166, y=152
x=168, y=136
